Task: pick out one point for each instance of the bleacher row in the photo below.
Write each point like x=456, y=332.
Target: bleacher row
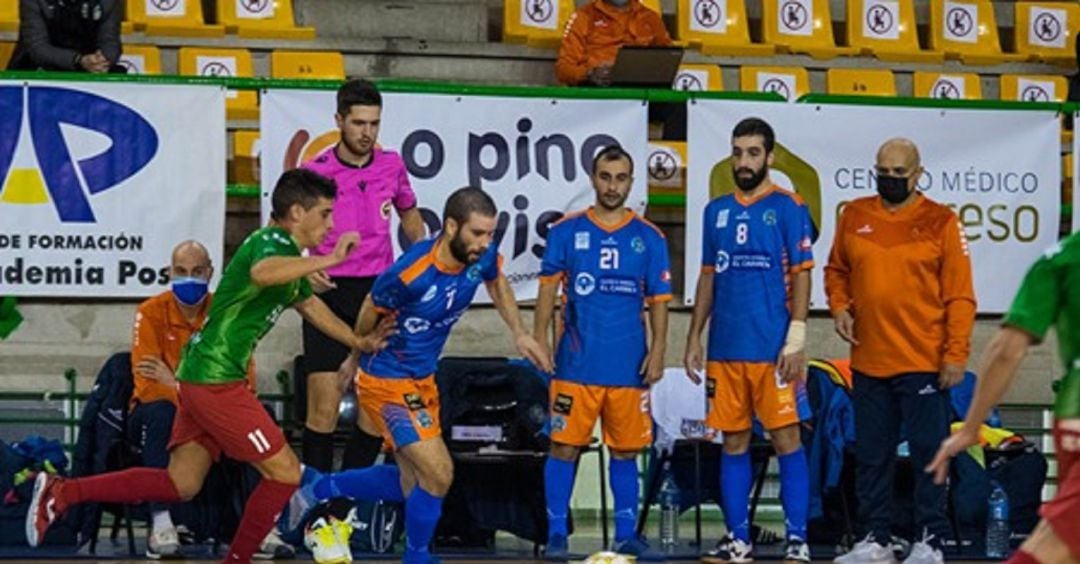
x=964, y=30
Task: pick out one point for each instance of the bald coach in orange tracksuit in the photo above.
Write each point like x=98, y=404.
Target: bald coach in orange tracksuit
x=595, y=33
x=900, y=290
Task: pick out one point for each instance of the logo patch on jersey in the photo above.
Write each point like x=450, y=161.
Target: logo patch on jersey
x=751, y=261
x=743, y=215
x=665, y=276
x=865, y=229
x=769, y=217
x=473, y=274
x=581, y=241
x=723, y=261
x=414, y=401
x=806, y=244
x=562, y=404
x=620, y=286
x=610, y=241
x=721, y=219
x=424, y=419
x=385, y=209
x=429, y=295
x=584, y=284
x=558, y=423
x=638, y=245
x=710, y=388
x=416, y=325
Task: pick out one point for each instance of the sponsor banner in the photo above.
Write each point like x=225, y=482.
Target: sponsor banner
x=1000, y=171
x=98, y=183
x=533, y=155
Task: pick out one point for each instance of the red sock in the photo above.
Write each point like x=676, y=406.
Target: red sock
x=134, y=485
x=260, y=514
x=1021, y=557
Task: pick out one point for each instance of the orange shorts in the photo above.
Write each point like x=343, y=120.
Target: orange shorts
x=738, y=390
x=627, y=423
x=405, y=410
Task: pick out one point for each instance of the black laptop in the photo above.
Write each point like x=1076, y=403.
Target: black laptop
x=646, y=67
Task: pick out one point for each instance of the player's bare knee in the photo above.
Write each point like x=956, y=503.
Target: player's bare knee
x=564, y=452
x=624, y=454
x=187, y=484
x=736, y=443
x=323, y=418
x=786, y=440
x=283, y=467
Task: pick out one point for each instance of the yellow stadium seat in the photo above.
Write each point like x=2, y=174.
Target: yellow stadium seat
x=307, y=64
x=952, y=86
x=271, y=19
x=861, y=82
x=196, y=61
x=537, y=23
x=801, y=26
x=1033, y=87
x=667, y=167
x=245, y=157
x=6, y=50
x=789, y=82
x=141, y=59
x=887, y=30
x=698, y=77
x=183, y=18
x=1046, y=31
x=9, y=15
x=718, y=27
x=967, y=30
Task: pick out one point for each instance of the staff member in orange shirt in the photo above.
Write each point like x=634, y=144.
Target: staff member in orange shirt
x=163, y=325
x=595, y=33
x=900, y=291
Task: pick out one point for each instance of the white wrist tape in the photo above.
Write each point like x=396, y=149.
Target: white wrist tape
x=796, y=337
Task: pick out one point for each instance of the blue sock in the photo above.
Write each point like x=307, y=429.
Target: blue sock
x=736, y=478
x=795, y=492
x=382, y=481
x=558, y=485
x=624, y=487
x=422, y=511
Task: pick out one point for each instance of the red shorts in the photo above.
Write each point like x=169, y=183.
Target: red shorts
x=225, y=418
x=1063, y=512
x=738, y=390
x=626, y=420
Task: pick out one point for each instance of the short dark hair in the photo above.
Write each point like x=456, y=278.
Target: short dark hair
x=300, y=186
x=466, y=201
x=756, y=126
x=357, y=92
x=612, y=153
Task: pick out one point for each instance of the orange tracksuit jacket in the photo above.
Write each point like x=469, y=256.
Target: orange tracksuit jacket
x=906, y=278
x=597, y=30
x=162, y=331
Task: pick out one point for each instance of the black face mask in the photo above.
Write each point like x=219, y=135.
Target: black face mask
x=893, y=189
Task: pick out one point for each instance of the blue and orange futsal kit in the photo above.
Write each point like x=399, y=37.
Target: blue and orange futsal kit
x=608, y=274
x=752, y=247
x=396, y=385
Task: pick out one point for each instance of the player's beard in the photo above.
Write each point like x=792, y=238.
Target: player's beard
x=612, y=201
x=356, y=148
x=460, y=250
x=748, y=183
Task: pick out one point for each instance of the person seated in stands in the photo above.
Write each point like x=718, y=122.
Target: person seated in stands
x=163, y=325
x=68, y=35
x=595, y=33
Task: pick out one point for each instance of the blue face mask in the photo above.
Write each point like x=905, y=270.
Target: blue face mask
x=190, y=291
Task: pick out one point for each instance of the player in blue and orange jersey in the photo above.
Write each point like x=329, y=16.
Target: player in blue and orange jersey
x=611, y=263
x=755, y=287
x=426, y=291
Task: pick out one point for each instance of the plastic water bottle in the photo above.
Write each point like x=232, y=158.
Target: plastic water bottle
x=997, y=524
x=669, y=511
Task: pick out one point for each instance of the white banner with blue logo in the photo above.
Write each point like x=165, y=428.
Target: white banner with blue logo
x=98, y=183
x=530, y=154
x=999, y=170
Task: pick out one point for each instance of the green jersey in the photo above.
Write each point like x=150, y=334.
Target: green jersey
x=1050, y=295
x=241, y=312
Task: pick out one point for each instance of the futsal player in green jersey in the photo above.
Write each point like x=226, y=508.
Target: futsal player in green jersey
x=217, y=413
x=1049, y=296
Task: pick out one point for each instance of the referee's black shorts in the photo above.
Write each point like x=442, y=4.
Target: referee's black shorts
x=321, y=353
